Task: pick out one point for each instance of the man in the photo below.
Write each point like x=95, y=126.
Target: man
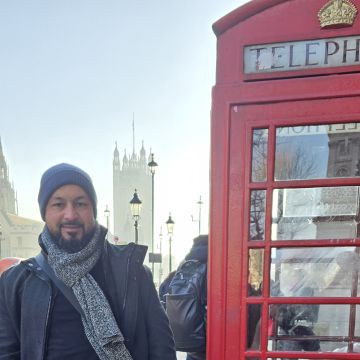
x=115, y=313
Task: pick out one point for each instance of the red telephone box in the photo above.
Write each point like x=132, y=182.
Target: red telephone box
x=285, y=175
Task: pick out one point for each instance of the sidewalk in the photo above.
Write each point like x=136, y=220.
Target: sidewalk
x=180, y=355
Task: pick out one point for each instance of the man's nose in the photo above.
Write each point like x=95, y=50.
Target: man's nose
x=70, y=212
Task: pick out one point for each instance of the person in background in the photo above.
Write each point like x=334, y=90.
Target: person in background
x=185, y=294
x=81, y=298
x=199, y=251
x=164, y=288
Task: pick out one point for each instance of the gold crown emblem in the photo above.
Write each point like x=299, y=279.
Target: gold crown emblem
x=337, y=12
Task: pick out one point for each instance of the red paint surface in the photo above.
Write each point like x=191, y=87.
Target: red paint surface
x=302, y=97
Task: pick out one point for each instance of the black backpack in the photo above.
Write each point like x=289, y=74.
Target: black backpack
x=186, y=306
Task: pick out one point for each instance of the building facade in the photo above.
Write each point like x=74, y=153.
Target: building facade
x=18, y=235
x=132, y=173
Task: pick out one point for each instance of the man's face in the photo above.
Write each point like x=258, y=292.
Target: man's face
x=69, y=216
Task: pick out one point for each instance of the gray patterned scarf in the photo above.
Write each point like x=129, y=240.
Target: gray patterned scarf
x=99, y=322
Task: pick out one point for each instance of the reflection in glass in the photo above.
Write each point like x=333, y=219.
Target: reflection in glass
x=317, y=151
x=293, y=327
x=259, y=155
x=297, y=328
x=254, y=326
x=314, y=271
x=357, y=321
x=315, y=213
x=256, y=271
x=257, y=214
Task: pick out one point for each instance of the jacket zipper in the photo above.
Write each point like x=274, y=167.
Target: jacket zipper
x=45, y=336
x=45, y=330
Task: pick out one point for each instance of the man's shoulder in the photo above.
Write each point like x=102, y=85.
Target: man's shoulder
x=15, y=274
x=130, y=251
x=16, y=268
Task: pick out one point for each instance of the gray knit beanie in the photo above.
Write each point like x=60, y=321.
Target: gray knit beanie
x=60, y=175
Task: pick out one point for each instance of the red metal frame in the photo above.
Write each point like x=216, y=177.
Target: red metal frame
x=282, y=99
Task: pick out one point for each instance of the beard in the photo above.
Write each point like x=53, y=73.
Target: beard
x=73, y=244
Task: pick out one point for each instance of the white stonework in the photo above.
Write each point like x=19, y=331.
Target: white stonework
x=18, y=235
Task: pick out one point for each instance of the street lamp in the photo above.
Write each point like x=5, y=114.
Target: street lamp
x=135, y=207
x=199, y=219
x=1, y=241
x=152, y=165
x=107, y=215
x=160, y=267
x=170, y=229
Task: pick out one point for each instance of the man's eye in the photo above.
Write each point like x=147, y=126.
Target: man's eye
x=58, y=205
x=81, y=204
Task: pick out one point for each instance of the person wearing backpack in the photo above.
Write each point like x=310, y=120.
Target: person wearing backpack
x=164, y=288
x=186, y=301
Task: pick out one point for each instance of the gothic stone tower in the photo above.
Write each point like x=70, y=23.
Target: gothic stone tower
x=130, y=174
x=7, y=193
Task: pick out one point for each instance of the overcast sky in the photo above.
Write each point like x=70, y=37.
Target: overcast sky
x=73, y=72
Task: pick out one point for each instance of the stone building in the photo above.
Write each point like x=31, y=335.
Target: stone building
x=18, y=235
x=130, y=173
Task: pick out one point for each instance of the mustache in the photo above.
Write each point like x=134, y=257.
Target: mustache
x=72, y=223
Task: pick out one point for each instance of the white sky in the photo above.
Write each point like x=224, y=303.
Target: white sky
x=73, y=72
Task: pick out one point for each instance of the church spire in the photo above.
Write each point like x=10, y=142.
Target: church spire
x=3, y=165
x=116, y=160
x=142, y=155
x=133, y=157
x=133, y=129
x=7, y=193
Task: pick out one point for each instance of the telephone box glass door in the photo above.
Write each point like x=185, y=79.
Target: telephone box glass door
x=301, y=231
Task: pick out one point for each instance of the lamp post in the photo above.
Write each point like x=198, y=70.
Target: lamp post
x=152, y=165
x=160, y=267
x=107, y=215
x=1, y=238
x=170, y=229
x=135, y=207
x=199, y=219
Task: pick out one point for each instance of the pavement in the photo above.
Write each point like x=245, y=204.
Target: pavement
x=180, y=355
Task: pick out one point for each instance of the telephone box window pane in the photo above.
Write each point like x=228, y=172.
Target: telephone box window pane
x=315, y=272
x=257, y=214
x=256, y=272
x=315, y=213
x=291, y=325
x=294, y=327
x=317, y=151
x=259, y=155
x=254, y=326
x=357, y=323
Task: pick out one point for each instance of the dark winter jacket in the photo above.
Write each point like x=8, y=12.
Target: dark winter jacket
x=164, y=288
x=199, y=251
x=26, y=297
